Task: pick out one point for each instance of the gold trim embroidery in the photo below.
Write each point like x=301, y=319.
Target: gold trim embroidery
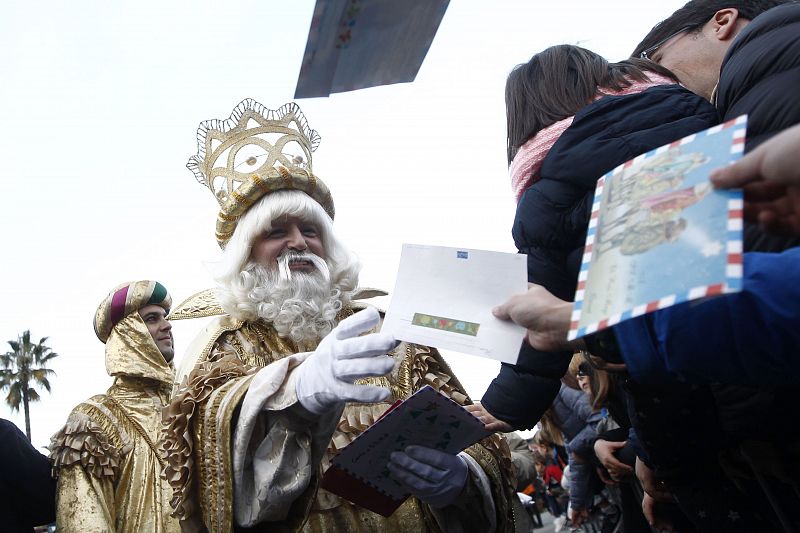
x=226, y=217
x=263, y=185
x=140, y=430
x=238, y=198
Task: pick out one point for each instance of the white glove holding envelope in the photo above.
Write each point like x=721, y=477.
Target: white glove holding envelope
x=326, y=379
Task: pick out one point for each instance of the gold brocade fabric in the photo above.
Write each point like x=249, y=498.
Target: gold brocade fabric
x=408, y=518
x=109, y=475
x=257, y=344
x=130, y=351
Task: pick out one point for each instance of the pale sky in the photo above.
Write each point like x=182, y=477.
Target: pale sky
x=100, y=103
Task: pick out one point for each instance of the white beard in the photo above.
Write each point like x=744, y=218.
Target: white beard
x=301, y=306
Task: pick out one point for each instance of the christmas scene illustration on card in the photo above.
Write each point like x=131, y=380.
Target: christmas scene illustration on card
x=660, y=234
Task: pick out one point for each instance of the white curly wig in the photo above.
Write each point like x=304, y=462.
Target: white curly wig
x=303, y=307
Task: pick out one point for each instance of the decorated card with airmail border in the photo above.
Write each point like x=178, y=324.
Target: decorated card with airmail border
x=443, y=297
x=659, y=233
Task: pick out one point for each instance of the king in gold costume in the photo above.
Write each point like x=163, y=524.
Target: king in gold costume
x=283, y=379
x=105, y=456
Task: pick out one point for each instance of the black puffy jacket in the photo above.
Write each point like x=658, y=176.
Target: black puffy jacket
x=760, y=77
x=553, y=216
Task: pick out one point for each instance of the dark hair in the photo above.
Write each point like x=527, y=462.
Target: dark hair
x=600, y=383
x=557, y=82
x=549, y=433
x=694, y=15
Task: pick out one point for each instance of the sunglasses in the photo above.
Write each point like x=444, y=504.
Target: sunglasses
x=647, y=52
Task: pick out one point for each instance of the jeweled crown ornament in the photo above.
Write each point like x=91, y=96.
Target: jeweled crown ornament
x=254, y=152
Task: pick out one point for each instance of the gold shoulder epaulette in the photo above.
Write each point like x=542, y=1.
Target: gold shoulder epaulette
x=198, y=305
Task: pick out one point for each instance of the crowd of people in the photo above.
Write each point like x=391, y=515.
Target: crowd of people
x=697, y=391
x=675, y=419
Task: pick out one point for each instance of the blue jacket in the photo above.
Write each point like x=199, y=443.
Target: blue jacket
x=573, y=414
x=751, y=337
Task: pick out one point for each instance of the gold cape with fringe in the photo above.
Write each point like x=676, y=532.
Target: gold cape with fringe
x=200, y=420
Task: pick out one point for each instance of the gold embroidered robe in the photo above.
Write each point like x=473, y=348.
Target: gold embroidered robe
x=200, y=425
x=109, y=475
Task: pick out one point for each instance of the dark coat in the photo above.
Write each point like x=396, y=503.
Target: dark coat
x=760, y=77
x=553, y=213
x=27, y=492
x=553, y=216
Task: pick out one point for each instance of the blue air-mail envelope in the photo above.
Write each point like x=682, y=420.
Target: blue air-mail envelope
x=354, y=44
x=443, y=297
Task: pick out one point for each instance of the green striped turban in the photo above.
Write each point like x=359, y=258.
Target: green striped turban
x=126, y=299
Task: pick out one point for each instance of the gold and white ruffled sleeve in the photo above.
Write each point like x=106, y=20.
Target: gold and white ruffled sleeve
x=86, y=455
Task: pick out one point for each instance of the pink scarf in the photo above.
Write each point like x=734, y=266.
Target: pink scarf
x=524, y=169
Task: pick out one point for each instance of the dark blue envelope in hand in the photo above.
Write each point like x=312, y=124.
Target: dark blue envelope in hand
x=427, y=418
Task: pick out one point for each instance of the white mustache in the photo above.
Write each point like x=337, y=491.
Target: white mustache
x=291, y=256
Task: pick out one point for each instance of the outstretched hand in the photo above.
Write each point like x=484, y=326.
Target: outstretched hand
x=490, y=422
x=770, y=178
x=546, y=317
x=604, y=450
x=326, y=379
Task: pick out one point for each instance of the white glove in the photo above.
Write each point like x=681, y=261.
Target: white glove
x=437, y=478
x=325, y=380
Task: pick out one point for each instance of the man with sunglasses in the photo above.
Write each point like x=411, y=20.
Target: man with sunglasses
x=693, y=41
x=744, y=56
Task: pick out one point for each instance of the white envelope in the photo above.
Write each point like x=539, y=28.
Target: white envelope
x=444, y=297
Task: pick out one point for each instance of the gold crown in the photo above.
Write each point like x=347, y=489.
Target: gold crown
x=254, y=152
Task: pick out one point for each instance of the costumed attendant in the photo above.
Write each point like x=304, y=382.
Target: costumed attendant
x=105, y=456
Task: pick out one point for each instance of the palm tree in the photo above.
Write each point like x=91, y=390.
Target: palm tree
x=23, y=368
